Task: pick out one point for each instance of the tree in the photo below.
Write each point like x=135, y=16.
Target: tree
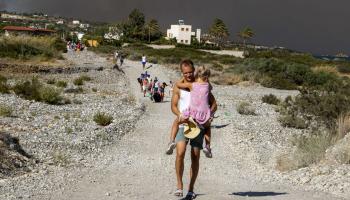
x=134, y=26
x=246, y=34
x=152, y=30
x=218, y=31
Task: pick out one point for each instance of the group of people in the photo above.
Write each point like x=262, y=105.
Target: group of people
x=192, y=103
x=72, y=46
x=152, y=88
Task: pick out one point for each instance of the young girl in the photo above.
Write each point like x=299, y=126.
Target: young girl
x=199, y=108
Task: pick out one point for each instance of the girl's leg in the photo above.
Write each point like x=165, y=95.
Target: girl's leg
x=174, y=130
x=172, y=144
x=207, y=133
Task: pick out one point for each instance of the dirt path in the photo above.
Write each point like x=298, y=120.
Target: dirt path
x=141, y=170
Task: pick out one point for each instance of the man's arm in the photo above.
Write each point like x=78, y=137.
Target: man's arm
x=174, y=100
x=183, y=85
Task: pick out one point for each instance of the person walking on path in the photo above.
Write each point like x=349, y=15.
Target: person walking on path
x=199, y=108
x=180, y=102
x=143, y=61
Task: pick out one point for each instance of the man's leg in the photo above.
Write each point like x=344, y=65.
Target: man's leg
x=179, y=163
x=195, y=155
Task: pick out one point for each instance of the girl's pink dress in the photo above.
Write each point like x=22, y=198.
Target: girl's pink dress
x=199, y=108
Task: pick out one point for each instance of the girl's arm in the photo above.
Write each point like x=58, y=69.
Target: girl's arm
x=184, y=85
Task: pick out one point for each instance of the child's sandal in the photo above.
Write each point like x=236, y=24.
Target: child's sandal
x=179, y=193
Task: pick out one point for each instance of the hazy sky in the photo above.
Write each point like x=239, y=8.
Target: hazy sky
x=318, y=26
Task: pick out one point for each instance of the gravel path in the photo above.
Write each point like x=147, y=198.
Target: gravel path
x=126, y=160
x=141, y=170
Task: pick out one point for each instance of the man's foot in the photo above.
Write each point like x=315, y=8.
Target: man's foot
x=207, y=152
x=190, y=195
x=171, y=147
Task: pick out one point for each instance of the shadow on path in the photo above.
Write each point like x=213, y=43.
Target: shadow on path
x=258, y=194
x=219, y=126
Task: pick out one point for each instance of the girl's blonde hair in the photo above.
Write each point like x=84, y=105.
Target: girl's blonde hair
x=203, y=72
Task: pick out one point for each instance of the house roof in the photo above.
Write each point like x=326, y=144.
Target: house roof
x=21, y=28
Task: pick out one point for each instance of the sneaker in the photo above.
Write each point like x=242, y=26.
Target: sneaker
x=207, y=152
x=190, y=195
x=171, y=147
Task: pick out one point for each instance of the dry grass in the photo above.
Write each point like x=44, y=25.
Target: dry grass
x=245, y=108
x=326, y=68
x=231, y=79
x=343, y=125
x=309, y=150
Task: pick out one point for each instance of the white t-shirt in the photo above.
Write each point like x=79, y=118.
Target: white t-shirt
x=184, y=101
x=143, y=58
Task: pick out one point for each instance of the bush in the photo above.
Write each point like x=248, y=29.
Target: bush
x=34, y=90
x=103, y=119
x=26, y=47
x=74, y=90
x=62, y=84
x=51, y=81
x=4, y=87
x=28, y=89
x=311, y=149
x=81, y=79
x=78, y=81
x=292, y=121
x=50, y=95
x=5, y=111
x=343, y=69
x=216, y=66
x=244, y=108
x=270, y=99
x=85, y=78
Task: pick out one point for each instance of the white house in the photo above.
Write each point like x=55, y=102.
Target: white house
x=84, y=26
x=183, y=33
x=76, y=22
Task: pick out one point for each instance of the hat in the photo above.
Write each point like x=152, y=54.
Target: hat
x=191, y=130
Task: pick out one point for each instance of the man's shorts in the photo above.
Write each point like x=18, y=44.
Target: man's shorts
x=196, y=142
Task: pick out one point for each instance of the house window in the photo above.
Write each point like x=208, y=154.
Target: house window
x=186, y=29
x=182, y=29
x=182, y=41
x=186, y=41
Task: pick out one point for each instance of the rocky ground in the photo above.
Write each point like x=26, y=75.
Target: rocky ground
x=76, y=159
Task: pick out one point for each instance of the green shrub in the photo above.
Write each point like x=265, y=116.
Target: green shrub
x=216, y=66
x=245, y=108
x=94, y=89
x=26, y=47
x=292, y=121
x=4, y=87
x=77, y=90
x=51, y=81
x=62, y=84
x=28, y=89
x=78, y=81
x=76, y=101
x=5, y=111
x=343, y=69
x=81, y=79
x=270, y=99
x=50, y=95
x=103, y=119
x=277, y=82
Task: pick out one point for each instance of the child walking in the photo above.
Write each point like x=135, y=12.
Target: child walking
x=199, y=108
